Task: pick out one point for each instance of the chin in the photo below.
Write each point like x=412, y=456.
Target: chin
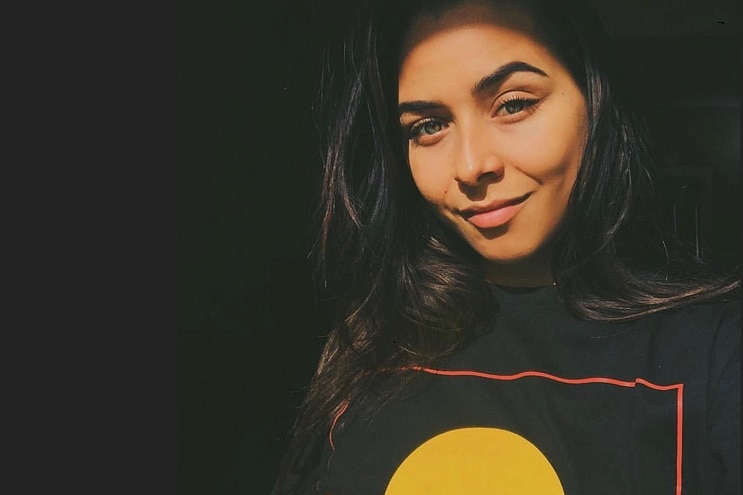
x=506, y=253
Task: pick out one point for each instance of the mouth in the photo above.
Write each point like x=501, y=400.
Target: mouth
x=495, y=214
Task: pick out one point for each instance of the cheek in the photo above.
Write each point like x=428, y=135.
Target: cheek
x=551, y=152
x=553, y=142
x=430, y=178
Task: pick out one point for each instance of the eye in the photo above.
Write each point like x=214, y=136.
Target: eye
x=514, y=107
x=426, y=131
x=430, y=127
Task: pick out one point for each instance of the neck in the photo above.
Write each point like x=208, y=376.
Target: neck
x=534, y=272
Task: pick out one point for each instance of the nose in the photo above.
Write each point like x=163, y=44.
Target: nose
x=479, y=157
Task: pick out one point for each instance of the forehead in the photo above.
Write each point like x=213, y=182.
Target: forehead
x=465, y=43
x=467, y=14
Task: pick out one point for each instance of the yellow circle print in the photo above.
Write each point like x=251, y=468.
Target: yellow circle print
x=475, y=461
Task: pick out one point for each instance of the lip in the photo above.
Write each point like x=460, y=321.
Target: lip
x=494, y=214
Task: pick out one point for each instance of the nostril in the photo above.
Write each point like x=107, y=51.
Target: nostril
x=477, y=189
x=475, y=180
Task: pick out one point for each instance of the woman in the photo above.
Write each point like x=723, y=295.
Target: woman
x=509, y=316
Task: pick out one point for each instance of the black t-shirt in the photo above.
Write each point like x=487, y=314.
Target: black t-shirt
x=546, y=403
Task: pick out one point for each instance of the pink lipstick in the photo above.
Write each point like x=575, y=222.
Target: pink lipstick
x=495, y=214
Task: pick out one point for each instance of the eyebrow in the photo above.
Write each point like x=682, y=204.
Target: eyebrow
x=491, y=80
x=501, y=73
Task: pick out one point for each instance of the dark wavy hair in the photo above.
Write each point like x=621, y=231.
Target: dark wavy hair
x=405, y=290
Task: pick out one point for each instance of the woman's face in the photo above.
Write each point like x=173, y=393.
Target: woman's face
x=496, y=129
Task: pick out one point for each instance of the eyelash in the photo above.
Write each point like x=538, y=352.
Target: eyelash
x=413, y=131
x=415, y=128
x=528, y=104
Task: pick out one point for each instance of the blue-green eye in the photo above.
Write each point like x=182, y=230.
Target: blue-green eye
x=426, y=130
x=514, y=106
x=430, y=127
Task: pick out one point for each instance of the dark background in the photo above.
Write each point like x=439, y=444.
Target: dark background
x=249, y=331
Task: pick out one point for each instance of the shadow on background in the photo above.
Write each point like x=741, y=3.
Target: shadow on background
x=249, y=327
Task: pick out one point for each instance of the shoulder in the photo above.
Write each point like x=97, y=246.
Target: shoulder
x=704, y=318
x=706, y=334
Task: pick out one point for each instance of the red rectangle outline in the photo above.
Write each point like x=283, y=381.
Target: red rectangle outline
x=572, y=381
